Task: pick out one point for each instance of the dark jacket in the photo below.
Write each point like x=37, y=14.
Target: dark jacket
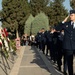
x=69, y=35
x=43, y=37
x=49, y=36
x=39, y=37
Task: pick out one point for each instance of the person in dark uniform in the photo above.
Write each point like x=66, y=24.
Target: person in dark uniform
x=39, y=39
x=69, y=39
x=36, y=39
x=43, y=40
x=50, y=43
x=47, y=43
x=58, y=49
x=48, y=39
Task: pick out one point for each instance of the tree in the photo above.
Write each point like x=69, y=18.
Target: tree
x=34, y=24
x=15, y=13
x=40, y=21
x=56, y=12
x=28, y=24
x=0, y=14
x=72, y=3
x=38, y=5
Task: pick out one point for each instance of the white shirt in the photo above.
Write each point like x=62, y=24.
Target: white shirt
x=73, y=24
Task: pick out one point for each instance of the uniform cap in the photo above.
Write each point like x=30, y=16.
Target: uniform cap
x=72, y=11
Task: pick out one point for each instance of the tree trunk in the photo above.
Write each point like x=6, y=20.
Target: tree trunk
x=17, y=35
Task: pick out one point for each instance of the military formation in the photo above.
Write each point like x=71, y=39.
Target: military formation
x=58, y=42
x=51, y=44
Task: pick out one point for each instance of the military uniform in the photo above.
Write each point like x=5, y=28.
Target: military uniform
x=43, y=42
x=50, y=43
x=68, y=43
x=69, y=36
x=39, y=40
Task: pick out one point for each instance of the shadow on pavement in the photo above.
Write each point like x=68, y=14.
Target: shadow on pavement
x=37, y=59
x=41, y=59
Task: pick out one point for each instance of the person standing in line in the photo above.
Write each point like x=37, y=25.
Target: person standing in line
x=39, y=39
x=69, y=39
x=50, y=42
x=43, y=40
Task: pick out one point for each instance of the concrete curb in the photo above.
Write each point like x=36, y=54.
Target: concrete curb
x=16, y=66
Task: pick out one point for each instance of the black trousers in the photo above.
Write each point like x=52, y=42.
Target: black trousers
x=43, y=47
x=40, y=45
x=47, y=49
x=68, y=54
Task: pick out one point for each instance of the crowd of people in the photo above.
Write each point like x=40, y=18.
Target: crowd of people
x=58, y=42
x=51, y=45
x=27, y=40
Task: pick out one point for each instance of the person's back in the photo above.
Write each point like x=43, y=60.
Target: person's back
x=39, y=37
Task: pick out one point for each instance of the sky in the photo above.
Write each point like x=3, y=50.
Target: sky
x=67, y=4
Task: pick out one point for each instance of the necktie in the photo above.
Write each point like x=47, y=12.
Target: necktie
x=73, y=24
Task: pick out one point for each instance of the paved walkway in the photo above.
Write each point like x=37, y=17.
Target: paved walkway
x=32, y=62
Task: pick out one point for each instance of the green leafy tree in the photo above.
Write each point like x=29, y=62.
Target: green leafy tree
x=56, y=12
x=15, y=13
x=72, y=3
x=0, y=15
x=40, y=21
x=38, y=5
x=28, y=24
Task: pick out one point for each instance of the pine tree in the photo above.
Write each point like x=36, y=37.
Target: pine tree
x=40, y=21
x=38, y=5
x=56, y=12
x=72, y=3
x=0, y=15
x=28, y=24
x=15, y=13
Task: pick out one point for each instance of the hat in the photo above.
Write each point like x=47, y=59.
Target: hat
x=43, y=28
x=72, y=11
